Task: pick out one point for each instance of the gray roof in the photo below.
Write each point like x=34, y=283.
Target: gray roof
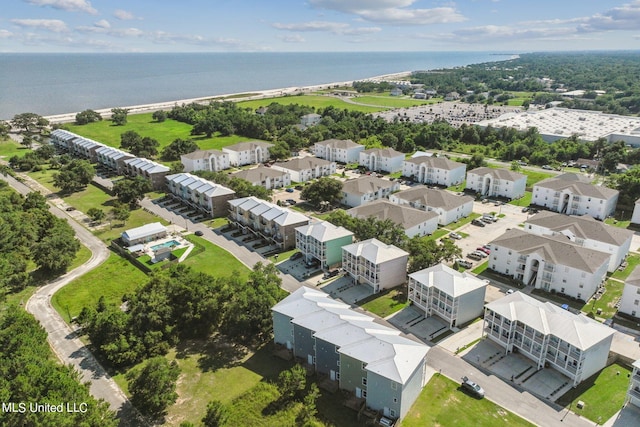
x=203, y=154
x=366, y=184
x=383, y=349
x=634, y=278
x=554, y=250
x=433, y=198
x=384, y=152
x=247, y=145
x=583, y=227
x=448, y=280
x=498, y=173
x=198, y=185
x=404, y=216
x=577, y=184
x=549, y=319
x=323, y=231
x=304, y=163
x=144, y=231
x=436, y=162
x=342, y=144
x=258, y=174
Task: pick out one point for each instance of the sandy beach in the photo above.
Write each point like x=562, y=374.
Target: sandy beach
x=271, y=93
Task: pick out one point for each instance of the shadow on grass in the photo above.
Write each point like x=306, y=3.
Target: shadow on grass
x=216, y=353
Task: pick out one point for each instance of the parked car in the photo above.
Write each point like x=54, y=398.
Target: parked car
x=485, y=250
x=486, y=220
x=296, y=256
x=70, y=208
x=474, y=255
x=463, y=263
x=490, y=217
x=485, y=200
x=478, y=223
x=510, y=291
x=289, y=190
x=198, y=233
x=313, y=263
x=547, y=167
x=332, y=273
x=525, y=209
x=472, y=387
x=455, y=236
x=291, y=201
x=481, y=254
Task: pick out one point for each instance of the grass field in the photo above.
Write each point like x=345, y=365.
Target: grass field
x=463, y=221
x=315, y=101
x=524, y=200
x=211, y=259
x=387, y=302
x=392, y=102
x=114, y=278
x=10, y=148
x=442, y=404
x=632, y=262
x=603, y=394
x=606, y=303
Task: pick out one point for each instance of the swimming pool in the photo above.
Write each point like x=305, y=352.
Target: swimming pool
x=168, y=244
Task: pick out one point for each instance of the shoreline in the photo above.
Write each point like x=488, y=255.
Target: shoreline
x=233, y=97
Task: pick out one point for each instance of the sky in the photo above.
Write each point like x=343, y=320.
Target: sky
x=317, y=25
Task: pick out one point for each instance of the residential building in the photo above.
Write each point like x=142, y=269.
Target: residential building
x=76, y=145
x=268, y=178
x=490, y=182
x=144, y=234
x=415, y=222
x=434, y=170
x=267, y=220
x=152, y=171
x=572, y=344
x=338, y=150
x=375, y=264
x=584, y=231
x=113, y=159
x=549, y=263
x=449, y=207
x=306, y=168
x=205, y=160
x=381, y=160
x=574, y=194
x=62, y=139
x=356, y=192
x=248, y=153
x=633, y=393
x=323, y=241
x=455, y=297
x=373, y=361
x=309, y=120
x=205, y=196
x=635, y=219
x=630, y=300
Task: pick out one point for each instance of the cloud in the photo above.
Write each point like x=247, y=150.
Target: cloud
x=53, y=25
x=292, y=38
x=394, y=12
x=4, y=34
x=103, y=23
x=326, y=26
x=123, y=15
x=68, y=5
x=114, y=32
x=625, y=17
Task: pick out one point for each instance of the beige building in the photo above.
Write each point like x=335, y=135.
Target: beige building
x=356, y=192
x=375, y=264
x=415, y=222
x=268, y=178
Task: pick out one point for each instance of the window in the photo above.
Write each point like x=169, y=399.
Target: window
x=394, y=385
x=337, y=348
x=364, y=393
x=337, y=375
x=364, y=381
x=562, y=290
x=338, y=363
x=636, y=302
x=395, y=400
x=392, y=413
x=364, y=365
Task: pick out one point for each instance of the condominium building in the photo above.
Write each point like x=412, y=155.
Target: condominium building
x=549, y=263
x=248, y=153
x=572, y=344
x=268, y=178
x=630, y=300
x=414, y=222
x=455, y=297
x=152, y=171
x=306, y=168
x=633, y=393
x=635, y=218
x=434, y=170
x=323, y=241
x=574, y=194
x=205, y=196
x=205, y=160
x=584, y=231
x=370, y=360
x=356, y=192
x=375, y=264
x=113, y=159
x=381, y=160
x=338, y=150
x=449, y=207
x=75, y=145
x=489, y=182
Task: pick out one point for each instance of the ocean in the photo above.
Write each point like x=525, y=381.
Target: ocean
x=49, y=84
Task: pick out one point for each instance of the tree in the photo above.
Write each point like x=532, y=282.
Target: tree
x=87, y=116
x=292, y=382
x=57, y=249
x=74, y=176
x=177, y=148
x=279, y=151
x=29, y=122
x=27, y=141
x=153, y=387
x=119, y=116
x=425, y=253
x=159, y=116
x=5, y=128
x=515, y=166
x=325, y=189
x=138, y=145
x=121, y=212
x=476, y=161
x=217, y=414
x=309, y=408
x=130, y=191
x=96, y=214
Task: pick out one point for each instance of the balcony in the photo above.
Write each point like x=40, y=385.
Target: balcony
x=549, y=268
x=522, y=259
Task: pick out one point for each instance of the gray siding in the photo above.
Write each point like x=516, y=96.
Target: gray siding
x=381, y=394
x=326, y=357
x=282, y=329
x=471, y=306
x=412, y=389
x=351, y=373
x=303, y=342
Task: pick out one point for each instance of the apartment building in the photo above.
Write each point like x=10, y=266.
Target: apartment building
x=306, y=168
x=574, y=194
x=113, y=159
x=630, y=300
x=338, y=150
x=323, y=241
x=633, y=393
x=572, y=344
x=375, y=264
x=489, y=182
x=205, y=160
x=268, y=178
x=434, y=170
x=248, y=153
x=267, y=220
x=455, y=297
x=152, y=171
x=368, y=359
x=549, y=263
x=205, y=196
x=415, y=222
x=449, y=207
x=356, y=192
x=381, y=160
x=584, y=231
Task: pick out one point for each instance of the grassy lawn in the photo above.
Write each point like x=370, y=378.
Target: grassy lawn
x=391, y=101
x=607, y=301
x=441, y=403
x=211, y=259
x=137, y=218
x=632, y=262
x=480, y=268
x=387, y=302
x=617, y=223
x=114, y=278
x=524, y=200
x=10, y=148
x=534, y=177
x=463, y=221
x=45, y=177
x=218, y=222
x=90, y=197
x=315, y=101
x=437, y=234
x=603, y=394
x=283, y=255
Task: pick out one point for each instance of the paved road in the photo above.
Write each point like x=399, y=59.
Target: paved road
x=64, y=342
x=509, y=397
